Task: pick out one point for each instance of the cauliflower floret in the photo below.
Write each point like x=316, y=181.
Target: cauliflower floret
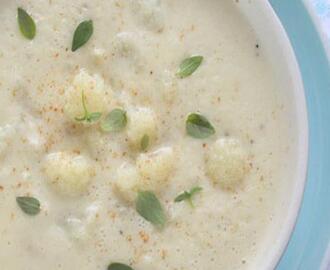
x=155, y=168
x=93, y=88
x=127, y=182
x=150, y=173
x=227, y=162
x=149, y=14
x=68, y=173
x=141, y=123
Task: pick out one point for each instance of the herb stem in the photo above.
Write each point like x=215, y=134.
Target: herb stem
x=188, y=196
x=85, y=117
x=83, y=97
x=190, y=201
x=88, y=117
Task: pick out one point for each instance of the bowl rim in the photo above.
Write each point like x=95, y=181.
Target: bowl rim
x=300, y=109
x=311, y=12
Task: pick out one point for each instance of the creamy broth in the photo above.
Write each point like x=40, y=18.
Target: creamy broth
x=87, y=180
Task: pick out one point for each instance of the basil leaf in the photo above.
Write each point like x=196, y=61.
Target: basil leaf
x=197, y=126
x=189, y=66
x=26, y=24
x=119, y=266
x=29, y=205
x=145, y=142
x=115, y=121
x=82, y=34
x=188, y=195
x=149, y=207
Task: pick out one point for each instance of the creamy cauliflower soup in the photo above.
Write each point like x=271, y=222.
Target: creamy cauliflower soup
x=138, y=134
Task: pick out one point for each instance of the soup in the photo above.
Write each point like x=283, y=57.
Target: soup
x=138, y=133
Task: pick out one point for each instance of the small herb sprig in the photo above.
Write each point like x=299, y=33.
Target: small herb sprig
x=189, y=65
x=144, y=142
x=29, y=205
x=115, y=121
x=150, y=208
x=197, y=126
x=82, y=34
x=119, y=266
x=26, y=24
x=188, y=196
x=88, y=116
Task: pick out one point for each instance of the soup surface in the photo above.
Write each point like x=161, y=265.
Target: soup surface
x=143, y=132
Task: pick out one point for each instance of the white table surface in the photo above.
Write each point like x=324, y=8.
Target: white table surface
x=322, y=9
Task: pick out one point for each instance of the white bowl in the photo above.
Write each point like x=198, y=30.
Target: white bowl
x=277, y=47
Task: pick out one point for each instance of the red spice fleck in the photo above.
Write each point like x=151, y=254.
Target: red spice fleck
x=144, y=236
x=112, y=215
x=163, y=253
x=76, y=151
x=129, y=238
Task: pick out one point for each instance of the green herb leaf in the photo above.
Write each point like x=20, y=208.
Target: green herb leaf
x=93, y=117
x=29, y=205
x=26, y=24
x=119, y=266
x=182, y=197
x=188, y=195
x=82, y=34
x=145, y=142
x=195, y=190
x=197, y=126
x=88, y=117
x=189, y=66
x=149, y=207
x=115, y=121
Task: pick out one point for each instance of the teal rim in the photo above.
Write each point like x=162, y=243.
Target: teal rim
x=311, y=237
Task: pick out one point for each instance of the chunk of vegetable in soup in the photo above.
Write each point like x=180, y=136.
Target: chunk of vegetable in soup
x=137, y=134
